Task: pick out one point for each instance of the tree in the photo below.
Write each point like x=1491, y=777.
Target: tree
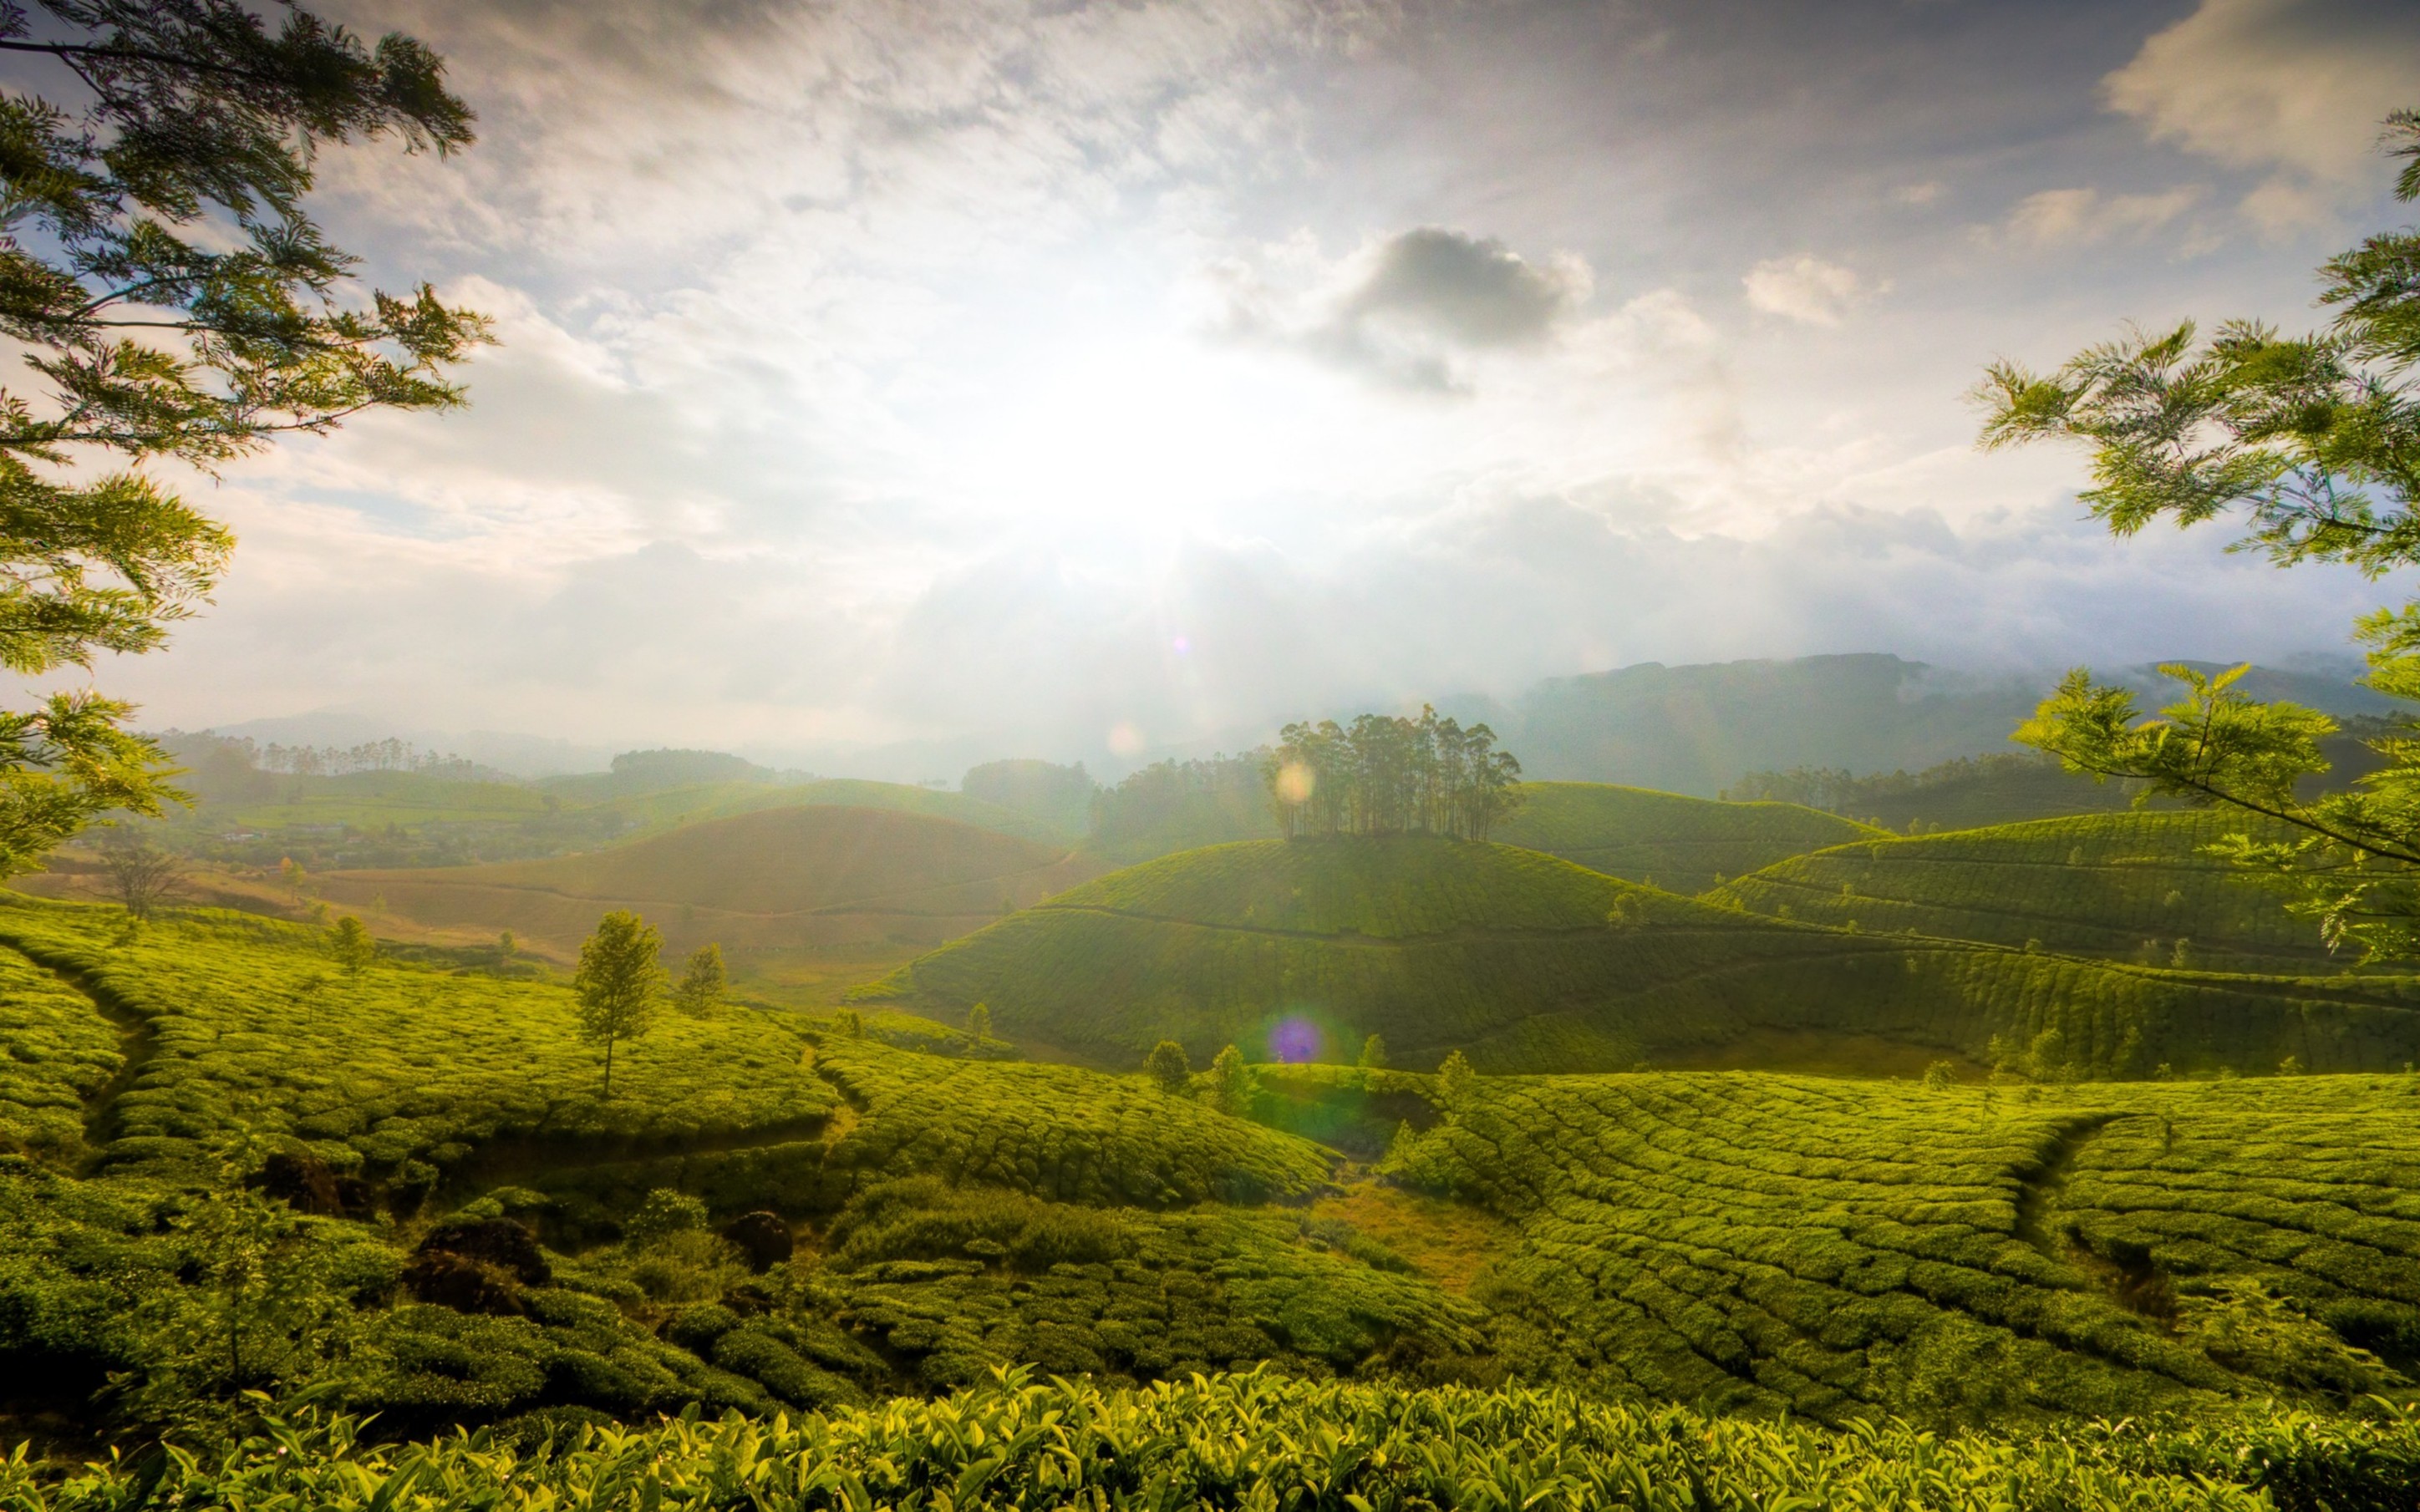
x=140, y=876
x=979, y=1022
x=1455, y=1081
x=1373, y=1052
x=619, y=980
x=1167, y=1067
x=1386, y=775
x=172, y=301
x=355, y=949
x=1230, y=1083
x=702, y=982
x=2317, y=441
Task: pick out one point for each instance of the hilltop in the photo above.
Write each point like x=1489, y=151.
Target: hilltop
x=777, y=877
x=1528, y=963
x=2131, y=886
x=1679, y=843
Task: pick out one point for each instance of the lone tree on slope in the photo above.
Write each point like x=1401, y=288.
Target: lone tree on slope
x=140, y=876
x=171, y=300
x=702, y=982
x=1167, y=1067
x=620, y=979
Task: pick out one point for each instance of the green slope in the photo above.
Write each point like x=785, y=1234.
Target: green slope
x=1679, y=843
x=1860, y=1249
x=2125, y=886
x=798, y=875
x=1293, y=949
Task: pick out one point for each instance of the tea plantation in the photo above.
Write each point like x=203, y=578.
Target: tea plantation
x=1842, y=1249
x=233, y=1164
x=2127, y=885
x=786, y=877
x=1681, y=844
x=1525, y=962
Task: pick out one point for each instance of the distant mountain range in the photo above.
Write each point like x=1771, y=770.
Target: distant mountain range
x=1698, y=729
x=1689, y=728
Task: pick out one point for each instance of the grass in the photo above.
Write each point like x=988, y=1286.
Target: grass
x=1843, y=1250
x=1681, y=844
x=1297, y=950
x=791, y=878
x=2125, y=886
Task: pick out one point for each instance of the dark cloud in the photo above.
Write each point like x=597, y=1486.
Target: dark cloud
x=1414, y=304
x=1465, y=289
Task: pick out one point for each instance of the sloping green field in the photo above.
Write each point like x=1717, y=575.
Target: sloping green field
x=1681, y=844
x=782, y=877
x=2126, y=885
x=1841, y=1249
x=1298, y=950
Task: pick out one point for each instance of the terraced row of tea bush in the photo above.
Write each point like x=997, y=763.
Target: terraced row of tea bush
x=55, y=1054
x=1255, y=1441
x=2128, y=885
x=1664, y=840
x=1295, y=950
x=250, y=1023
x=1059, y=1132
x=1846, y=1249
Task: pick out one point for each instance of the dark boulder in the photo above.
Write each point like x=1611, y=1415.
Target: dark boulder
x=306, y=1184
x=463, y=1284
x=499, y=1243
x=762, y=1236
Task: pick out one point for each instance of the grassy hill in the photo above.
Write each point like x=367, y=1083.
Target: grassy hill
x=1730, y=1241
x=815, y=875
x=1664, y=840
x=1298, y=950
x=2126, y=885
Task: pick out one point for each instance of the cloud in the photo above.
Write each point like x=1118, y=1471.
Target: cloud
x=2081, y=217
x=1805, y=288
x=2299, y=86
x=1402, y=310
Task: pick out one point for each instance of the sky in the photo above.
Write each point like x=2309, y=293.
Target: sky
x=1100, y=380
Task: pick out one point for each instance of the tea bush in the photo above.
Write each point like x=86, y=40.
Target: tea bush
x=1681, y=844
x=2127, y=885
x=1848, y=1249
x=1253, y=1441
x=1530, y=963
x=251, y=1025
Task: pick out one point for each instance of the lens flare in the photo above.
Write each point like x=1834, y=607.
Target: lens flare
x=1294, y=1042
x=1125, y=740
x=1295, y=782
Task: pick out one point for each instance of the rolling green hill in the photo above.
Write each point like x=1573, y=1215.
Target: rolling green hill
x=2126, y=885
x=1297, y=950
x=793, y=876
x=1664, y=840
x=1844, y=1250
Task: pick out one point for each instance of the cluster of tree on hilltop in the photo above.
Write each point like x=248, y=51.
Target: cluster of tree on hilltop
x=1390, y=776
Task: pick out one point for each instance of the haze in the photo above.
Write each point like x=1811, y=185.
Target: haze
x=1091, y=381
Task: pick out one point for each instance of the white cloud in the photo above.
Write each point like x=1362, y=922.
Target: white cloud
x=2300, y=87
x=1804, y=288
x=2081, y=217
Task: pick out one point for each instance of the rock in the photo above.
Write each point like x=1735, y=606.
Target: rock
x=306, y=1184
x=499, y=1243
x=463, y=1284
x=762, y=1236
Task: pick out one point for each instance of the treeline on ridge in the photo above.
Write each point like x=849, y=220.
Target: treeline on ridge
x=1390, y=776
